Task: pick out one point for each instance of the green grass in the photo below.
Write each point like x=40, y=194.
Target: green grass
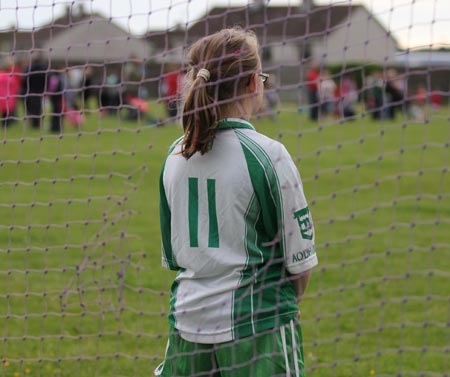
x=82, y=292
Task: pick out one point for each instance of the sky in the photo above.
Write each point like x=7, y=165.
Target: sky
x=414, y=23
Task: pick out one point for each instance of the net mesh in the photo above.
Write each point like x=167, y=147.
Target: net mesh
x=358, y=93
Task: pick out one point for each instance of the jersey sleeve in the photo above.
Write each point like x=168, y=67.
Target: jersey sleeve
x=168, y=259
x=165, y=216
x=296, y=230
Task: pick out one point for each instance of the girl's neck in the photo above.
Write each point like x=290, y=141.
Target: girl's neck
x=236, y=111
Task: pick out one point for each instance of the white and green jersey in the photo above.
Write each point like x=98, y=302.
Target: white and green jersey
x=235, y=224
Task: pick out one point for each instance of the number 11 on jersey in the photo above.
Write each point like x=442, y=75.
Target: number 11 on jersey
x=213, y=237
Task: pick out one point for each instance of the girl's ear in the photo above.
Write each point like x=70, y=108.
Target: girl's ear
x=253, y=83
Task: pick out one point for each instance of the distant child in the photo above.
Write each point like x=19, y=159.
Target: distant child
x=271, y=100
x=327, y=90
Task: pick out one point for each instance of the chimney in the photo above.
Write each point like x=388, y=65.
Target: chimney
x=307, y=5
x=260, y=3
x=79, y=11
x=257, y=5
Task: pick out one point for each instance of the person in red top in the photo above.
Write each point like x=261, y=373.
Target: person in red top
x=171, y=90
x=312, y=79
x=436, y=100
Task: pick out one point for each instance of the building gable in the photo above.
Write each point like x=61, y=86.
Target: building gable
x=96, y=40
x=358, y=38
x=289, y=33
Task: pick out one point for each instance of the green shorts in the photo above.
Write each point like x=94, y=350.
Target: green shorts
x=277, y=352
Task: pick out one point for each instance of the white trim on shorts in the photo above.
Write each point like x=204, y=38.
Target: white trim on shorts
x=160, y=368
x=294, y=349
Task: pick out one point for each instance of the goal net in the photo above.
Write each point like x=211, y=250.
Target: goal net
x=89, y=105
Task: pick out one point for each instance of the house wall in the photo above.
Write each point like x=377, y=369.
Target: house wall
x=11, y=46
x=284, y=53
x=99, y=42
x=5, y=47
x=361, y=39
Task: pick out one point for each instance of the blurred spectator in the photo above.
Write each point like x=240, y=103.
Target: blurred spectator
x=348, y=92
x=171, y=89
x=312, y=79
x=327, y=89
x=436, y=100
x=418, y=109
x=74, y=83
x=271, y=99
x=34, y=85
x=374, y=95
x=133, y=77
x=421, y=96
x=111, y=93
x=10, y=81
x=133, y=73
x=88, y=85
x=394, y=91
x=55, y=90
x=16, y=71
x=418, y=103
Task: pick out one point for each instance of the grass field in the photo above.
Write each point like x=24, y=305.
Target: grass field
x=82, y=292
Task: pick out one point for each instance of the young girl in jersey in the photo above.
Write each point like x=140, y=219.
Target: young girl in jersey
x=235, y=225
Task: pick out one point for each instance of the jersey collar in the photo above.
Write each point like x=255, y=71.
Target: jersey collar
x=234, y=123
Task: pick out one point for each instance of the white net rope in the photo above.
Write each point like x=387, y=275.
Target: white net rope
x=88, y=107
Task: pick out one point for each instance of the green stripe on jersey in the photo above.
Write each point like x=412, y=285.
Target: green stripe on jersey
x=242, y=314
x=193, y=211
x=213, y=239
x=261, y=301
x=234, y=123
x=173, y=298
x=266, y=185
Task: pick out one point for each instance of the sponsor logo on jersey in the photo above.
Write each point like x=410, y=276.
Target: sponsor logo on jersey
x=303, y=217
x=305, y=254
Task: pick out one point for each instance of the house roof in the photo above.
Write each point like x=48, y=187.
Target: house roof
x=164, y=39
x=418, y=59
x=22, y=40
x=96, y=39
x=275, y=22
x=78, y=36
x=169, y=45
x=67, y=21
x=17, y=40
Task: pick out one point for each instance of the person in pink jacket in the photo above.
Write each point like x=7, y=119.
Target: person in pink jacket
x=10, y=81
